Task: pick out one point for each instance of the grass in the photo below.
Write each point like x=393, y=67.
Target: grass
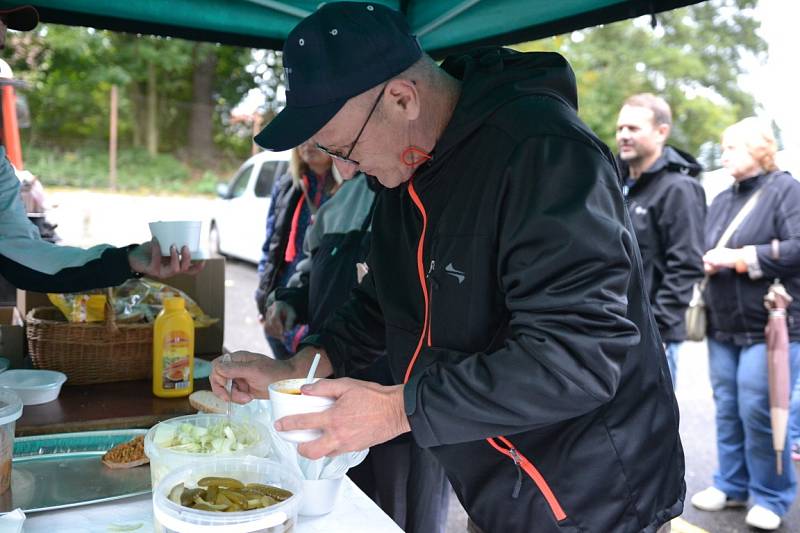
x=137, y=171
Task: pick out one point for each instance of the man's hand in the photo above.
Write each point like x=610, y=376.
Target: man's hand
x=365, y=414
x=146, y=259
x=252, y=373
x=279, y=318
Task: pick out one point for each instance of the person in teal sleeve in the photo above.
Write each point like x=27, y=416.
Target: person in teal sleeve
x=30, y=263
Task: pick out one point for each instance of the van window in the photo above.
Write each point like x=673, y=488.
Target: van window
x=239, y=182
x=266, y=177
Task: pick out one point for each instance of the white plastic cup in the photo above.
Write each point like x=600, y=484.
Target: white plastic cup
x=320, y=496
x=278, y=518
x=179, y=233
x=284, y=403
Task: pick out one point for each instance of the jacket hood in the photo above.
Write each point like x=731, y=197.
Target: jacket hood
x=676, y=160
x=672, y=160
x=493, y=76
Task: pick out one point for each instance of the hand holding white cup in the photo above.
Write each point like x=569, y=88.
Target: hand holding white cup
x=287, y=400
x=178, y=233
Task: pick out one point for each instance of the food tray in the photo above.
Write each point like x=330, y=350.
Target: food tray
x=64, y=470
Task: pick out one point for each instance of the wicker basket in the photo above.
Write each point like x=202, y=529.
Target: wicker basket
x=89, y=353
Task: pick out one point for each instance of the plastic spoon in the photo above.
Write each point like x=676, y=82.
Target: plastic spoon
x=314, y=363
x=228, y=386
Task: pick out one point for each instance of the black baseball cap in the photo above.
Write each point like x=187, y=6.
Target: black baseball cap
x=22, y=18
x=337, y=52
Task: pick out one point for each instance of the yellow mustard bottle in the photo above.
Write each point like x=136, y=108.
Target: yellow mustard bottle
x=173, y=350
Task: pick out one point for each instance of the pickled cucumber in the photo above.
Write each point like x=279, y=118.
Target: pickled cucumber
x=221, y=494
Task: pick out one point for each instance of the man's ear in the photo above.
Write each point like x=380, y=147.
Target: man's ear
x=663, y=131
x=403, y=98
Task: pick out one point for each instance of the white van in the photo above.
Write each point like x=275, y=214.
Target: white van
x=237, y=226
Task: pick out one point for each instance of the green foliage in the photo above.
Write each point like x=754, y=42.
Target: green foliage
x=692, y=59
x=87, y=168
x=70, y=71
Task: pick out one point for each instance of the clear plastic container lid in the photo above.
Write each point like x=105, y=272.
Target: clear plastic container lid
x=32, y=379
x=274, y=519
x=10, y=406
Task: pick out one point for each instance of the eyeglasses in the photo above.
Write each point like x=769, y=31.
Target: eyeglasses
x=345, y=158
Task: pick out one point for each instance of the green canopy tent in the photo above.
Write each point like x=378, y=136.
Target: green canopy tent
x=443, y=26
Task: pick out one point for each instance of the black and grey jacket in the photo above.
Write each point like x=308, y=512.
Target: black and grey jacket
x=667, y=206
x=338, y=239
x=284, y=197
x=735, y=302
x=506, y=288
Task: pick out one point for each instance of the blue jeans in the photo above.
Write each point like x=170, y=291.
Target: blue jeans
x=671, y=350
x=794, y=414
x=744, y=436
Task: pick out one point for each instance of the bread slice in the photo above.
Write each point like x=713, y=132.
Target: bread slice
x=206, y=401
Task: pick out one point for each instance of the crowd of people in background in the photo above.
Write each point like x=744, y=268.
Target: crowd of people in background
x=749, y=238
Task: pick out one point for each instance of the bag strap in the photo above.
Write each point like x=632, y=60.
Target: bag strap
x=739, y=218
x=746, y=209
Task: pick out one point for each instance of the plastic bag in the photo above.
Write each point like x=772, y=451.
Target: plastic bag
x=286, y=452
x=136, y=300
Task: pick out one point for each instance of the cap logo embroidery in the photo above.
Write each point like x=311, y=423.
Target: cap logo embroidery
x=370, y=8
x=334, y=32
x=301, y=42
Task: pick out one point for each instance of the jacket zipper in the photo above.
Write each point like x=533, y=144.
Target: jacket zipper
x=422, y=281
x=522, y=463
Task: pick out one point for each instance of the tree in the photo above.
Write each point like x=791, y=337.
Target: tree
x=692, y=58
x=173, y=92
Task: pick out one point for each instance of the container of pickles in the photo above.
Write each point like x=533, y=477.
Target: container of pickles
x=242, y=495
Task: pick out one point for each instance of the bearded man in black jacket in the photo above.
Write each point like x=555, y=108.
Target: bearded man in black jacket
x=504, y=283
x=667, y=207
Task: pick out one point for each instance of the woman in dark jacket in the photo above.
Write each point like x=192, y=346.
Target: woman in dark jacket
x=764, y=247
x=295, y=199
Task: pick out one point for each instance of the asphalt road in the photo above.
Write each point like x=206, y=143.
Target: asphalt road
x=86, y=218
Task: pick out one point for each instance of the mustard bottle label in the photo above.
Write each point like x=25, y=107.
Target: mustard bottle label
x=175, y=360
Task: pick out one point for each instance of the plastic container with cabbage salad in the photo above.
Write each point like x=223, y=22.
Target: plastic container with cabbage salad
x=279, y=518
x=180, y=441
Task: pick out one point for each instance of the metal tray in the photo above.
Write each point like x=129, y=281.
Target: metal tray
x=64, y=470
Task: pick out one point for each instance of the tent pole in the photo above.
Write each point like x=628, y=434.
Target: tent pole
x=441, y=19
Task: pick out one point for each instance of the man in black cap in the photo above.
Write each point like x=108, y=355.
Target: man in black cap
x=30, y=263
x=504, y=283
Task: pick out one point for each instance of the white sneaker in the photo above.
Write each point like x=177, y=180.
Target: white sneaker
x=762, y=518
x=713, y=499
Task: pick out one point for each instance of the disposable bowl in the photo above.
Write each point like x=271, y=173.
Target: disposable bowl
x=34, y=387
x=279, y=518
x=10, y=411
x=320, y=496
x=163, y=460
x=285, y=403
x=179, y=233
